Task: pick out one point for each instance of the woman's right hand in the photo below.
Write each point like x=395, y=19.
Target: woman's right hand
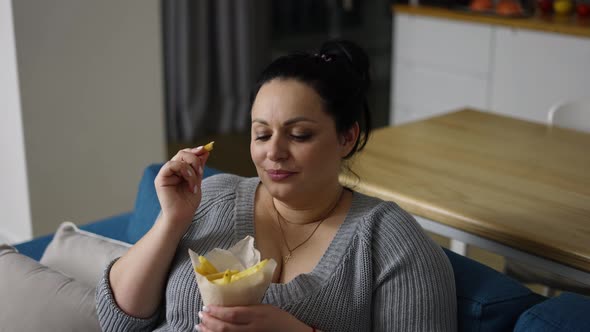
x=138, y=278
x=178, y=185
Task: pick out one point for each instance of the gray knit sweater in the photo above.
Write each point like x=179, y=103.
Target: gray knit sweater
x=380, y=273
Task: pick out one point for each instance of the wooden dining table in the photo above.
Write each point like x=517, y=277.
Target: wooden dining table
x=514, y=187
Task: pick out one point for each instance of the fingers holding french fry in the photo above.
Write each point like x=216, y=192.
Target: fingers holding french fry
x=178, y=184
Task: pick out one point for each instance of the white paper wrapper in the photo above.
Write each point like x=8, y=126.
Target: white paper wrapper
x=245, y=291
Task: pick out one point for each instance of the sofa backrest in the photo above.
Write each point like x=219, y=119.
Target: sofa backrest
x=487, y=300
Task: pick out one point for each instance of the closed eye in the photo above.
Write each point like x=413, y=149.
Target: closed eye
x=262, y=137
x=301, y=138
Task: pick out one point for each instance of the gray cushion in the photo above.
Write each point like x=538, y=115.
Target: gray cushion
x=80, y=254
x=34, y=297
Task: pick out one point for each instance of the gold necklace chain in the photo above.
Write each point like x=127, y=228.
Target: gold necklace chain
x=323, y=217
x=320, y=221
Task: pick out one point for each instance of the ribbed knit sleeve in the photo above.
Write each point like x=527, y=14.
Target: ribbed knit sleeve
x=111, y=317
x=414, y=287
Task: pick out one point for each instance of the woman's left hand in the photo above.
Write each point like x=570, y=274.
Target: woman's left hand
x=260, y=317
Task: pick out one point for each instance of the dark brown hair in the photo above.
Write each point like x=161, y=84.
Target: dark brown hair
x=339, y=73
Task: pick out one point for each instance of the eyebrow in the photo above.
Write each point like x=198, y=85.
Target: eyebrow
x=288, y=122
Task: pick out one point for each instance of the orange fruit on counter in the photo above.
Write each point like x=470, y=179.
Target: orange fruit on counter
x=508, y=7
x=481, y=5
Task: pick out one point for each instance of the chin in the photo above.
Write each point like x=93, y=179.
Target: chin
x=279, y=189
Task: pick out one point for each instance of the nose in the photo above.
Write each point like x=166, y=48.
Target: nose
x=277, y=149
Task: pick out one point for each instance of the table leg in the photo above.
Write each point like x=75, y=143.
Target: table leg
x=459, y=247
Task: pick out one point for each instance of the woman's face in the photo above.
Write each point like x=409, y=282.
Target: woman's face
x=295, y=147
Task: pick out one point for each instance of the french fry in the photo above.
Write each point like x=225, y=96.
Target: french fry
x=209, y=271
x=225, y=278
x=209, y=146
x=249, y=271
x=219, y=275
x=205, y=267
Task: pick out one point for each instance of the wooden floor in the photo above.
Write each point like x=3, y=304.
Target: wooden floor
x=232, y=154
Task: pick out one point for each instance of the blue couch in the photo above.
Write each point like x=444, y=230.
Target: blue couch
x=487, y=300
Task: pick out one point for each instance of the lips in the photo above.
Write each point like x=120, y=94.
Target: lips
x=279, y=174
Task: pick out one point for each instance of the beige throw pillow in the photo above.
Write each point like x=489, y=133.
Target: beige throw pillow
x=34, y=297
x=81, y=255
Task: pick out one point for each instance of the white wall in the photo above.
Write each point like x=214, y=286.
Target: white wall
x=15, y=223
x=92, y=104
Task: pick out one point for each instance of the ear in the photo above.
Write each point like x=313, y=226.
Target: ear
x=348, y=139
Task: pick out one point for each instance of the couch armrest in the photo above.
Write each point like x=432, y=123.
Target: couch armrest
x=114, y=227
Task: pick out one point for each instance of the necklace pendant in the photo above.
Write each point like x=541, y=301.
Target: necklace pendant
x=286, y=258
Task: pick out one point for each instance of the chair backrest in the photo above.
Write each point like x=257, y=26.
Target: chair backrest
x=571, y=114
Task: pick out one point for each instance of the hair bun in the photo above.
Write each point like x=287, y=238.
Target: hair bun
x=354, y=55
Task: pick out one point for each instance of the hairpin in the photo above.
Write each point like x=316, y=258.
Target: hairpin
x=324, y=57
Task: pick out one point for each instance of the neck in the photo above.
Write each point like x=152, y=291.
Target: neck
x=323, y=207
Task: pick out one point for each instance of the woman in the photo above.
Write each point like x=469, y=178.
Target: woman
x=346, y=261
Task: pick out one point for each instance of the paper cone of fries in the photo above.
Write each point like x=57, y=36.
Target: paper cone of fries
x=233, y=277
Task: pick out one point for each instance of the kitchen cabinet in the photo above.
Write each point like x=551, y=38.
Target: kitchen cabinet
x=440, y=64
x=421, y=92
x=535, y=70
